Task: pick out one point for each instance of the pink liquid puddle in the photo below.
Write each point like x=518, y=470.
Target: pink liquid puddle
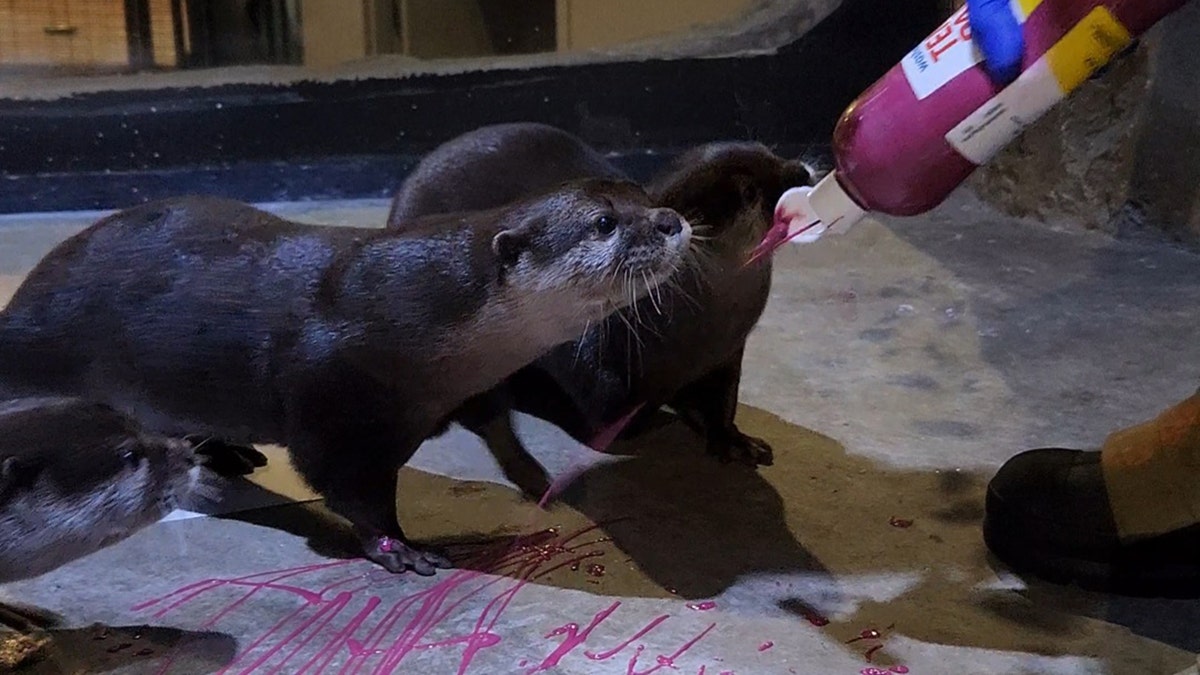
x=702, y=606
x=900, y=522
x=340, y=626
x=898, y=670
x=765, y=646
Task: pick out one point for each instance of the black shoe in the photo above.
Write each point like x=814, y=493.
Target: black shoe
x=1048, y=514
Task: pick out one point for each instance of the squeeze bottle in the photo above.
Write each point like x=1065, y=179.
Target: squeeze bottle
x=916, y=134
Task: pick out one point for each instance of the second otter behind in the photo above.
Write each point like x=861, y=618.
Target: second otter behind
x=681, y=346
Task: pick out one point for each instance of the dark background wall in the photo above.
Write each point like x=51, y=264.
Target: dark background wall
x=358, y=138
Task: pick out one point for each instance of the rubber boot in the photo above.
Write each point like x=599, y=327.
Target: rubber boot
x=1123, y=519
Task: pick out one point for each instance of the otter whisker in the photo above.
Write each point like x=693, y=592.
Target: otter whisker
x=208, y=487
x=196, y=448
x=650, y=292
x=579, y=343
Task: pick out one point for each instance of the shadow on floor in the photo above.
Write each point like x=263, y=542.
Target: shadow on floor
x=103, y=649
x=879, y=551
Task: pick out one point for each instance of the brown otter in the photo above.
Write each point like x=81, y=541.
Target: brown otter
x=350, y=346
x=77, y=476
x=682, y=345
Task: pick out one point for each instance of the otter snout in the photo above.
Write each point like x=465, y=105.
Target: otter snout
x=656, y=244
x=666, y=221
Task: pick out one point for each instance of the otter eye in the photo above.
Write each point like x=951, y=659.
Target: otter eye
x=133, y=458
x=606, y=224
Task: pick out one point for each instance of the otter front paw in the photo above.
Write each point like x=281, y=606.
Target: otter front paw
x=396, y=556
x=738, y=447
x=226, y=459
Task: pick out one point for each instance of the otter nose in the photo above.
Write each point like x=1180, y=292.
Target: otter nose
x=666, y=221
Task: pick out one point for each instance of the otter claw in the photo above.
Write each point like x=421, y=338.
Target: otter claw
x=396, y=556
x=743, y=449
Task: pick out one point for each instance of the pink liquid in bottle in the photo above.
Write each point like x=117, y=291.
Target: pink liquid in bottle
x=916, y=134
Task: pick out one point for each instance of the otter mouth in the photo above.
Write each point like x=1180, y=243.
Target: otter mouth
x=793, y=219
x=640, y=277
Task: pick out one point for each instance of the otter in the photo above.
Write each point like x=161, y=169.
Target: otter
x=682, y=345
x=77, y=476
x=202, y=316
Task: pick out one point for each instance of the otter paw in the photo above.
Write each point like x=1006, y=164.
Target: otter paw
x=743, y=449
x=229, y=460
x=397, y=557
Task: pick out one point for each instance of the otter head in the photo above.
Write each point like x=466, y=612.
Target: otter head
x=597, y=238
x=729, y=191
x=88, y=476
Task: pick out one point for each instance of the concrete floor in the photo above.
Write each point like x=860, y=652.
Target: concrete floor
x=896, y=367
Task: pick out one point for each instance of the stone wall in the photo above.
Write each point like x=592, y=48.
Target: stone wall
x=1122, y=154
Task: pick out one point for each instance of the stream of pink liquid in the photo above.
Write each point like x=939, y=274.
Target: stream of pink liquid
x=343, y=622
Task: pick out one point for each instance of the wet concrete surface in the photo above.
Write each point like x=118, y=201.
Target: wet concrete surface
x=896, y=367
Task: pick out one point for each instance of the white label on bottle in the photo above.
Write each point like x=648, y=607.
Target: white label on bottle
x=949, y=52
x=1002, y=118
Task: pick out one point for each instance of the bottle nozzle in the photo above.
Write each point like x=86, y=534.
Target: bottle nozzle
x=806, y=213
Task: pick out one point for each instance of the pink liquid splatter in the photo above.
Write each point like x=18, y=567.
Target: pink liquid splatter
x=702, y=606
x=765, y=646
x=575, y=637
x=665, y=661
x=604, y=656
x=608, y=434
x=900, y=522
x=341, y=627
x=337, y=618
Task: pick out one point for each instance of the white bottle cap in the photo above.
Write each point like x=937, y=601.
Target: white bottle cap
x=829, y=202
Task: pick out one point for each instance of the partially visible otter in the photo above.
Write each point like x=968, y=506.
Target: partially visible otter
x=494, y=166
x=350, y=346
x=77, y=476
x=682, y=346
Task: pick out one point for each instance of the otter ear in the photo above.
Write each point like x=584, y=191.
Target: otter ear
x=508, y=245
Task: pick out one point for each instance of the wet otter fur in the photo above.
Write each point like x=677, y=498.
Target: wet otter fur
x=206, y=317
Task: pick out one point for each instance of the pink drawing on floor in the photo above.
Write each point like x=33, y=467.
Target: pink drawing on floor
x=340, y=626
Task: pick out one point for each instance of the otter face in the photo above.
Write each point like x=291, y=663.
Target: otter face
x=729, y=190
x=93, y=482
x=601, y=238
